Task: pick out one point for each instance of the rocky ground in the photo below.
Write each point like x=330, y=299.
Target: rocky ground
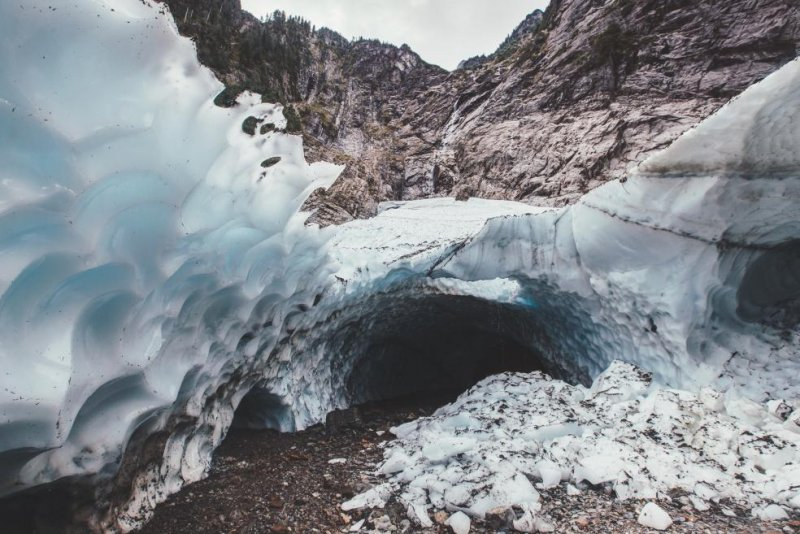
x=264, y=481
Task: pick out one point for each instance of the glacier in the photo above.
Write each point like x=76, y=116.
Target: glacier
x=155, y=275
x=142, y=243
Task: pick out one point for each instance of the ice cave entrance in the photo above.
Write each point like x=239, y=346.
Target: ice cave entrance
x=401, y=346
x=769, y=292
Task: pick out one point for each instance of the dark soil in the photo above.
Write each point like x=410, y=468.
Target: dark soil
x=265, y=481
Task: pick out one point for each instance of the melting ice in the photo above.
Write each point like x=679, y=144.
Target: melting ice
x=154, y=273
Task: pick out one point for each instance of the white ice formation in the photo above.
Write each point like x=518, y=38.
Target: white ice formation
x=147, y=257
x=154, y=276
x=515, y=434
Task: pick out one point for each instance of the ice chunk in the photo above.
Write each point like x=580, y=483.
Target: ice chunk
x=444, y=448
x=419, y=513
x=459, y=522
x=771, y=512
x=372, y=498
x=655, y=440
x=599, y=468
x=550, y=473
x=653, y=516
x=397, y=461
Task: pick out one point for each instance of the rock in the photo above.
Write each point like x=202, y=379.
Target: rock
x=582, y=522
x=279, y=529
x=339, y=420
x=500, y=518
x=269, y=162
x=576, y=96
x=652, y=516
x=440, y=517
x=459, y=522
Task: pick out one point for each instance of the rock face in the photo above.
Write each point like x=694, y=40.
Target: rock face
x=573, y=98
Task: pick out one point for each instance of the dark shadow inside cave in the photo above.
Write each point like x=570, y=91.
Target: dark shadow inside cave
x=414, y=343
x=261, y=408
x=434, y=342
x=770, y=289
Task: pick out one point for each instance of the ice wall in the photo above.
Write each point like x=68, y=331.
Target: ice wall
x=141, y=245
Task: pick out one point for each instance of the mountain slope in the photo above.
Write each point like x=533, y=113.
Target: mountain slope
x=585, y=91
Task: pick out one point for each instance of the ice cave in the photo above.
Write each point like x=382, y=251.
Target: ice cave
x=155, y=277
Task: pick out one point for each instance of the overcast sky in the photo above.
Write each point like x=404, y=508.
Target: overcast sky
x=443, y=32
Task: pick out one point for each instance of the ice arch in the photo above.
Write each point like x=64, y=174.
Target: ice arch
x=154, y=274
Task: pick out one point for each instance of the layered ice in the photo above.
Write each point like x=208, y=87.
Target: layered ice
x=148, y=259
x=155, y=275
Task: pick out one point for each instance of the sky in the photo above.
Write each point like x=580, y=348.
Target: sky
x=443, y=32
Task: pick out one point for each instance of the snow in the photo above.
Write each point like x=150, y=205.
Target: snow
x=140, y=241
x=653, y=516
x=754, y=135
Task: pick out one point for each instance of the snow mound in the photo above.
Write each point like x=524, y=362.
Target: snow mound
x=513, y=435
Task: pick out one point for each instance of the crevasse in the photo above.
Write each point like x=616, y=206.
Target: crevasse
x=154, y=273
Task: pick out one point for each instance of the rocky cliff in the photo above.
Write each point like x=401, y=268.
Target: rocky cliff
x=572, y=99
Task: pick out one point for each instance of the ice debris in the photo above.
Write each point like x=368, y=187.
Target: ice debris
x=653, y=516
x=522, y=429
x=459, y=522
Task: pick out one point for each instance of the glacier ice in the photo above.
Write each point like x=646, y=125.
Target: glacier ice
x=154, y=275
x=147, y=257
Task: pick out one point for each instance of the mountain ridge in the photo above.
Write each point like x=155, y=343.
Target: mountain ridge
x=588, y=93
